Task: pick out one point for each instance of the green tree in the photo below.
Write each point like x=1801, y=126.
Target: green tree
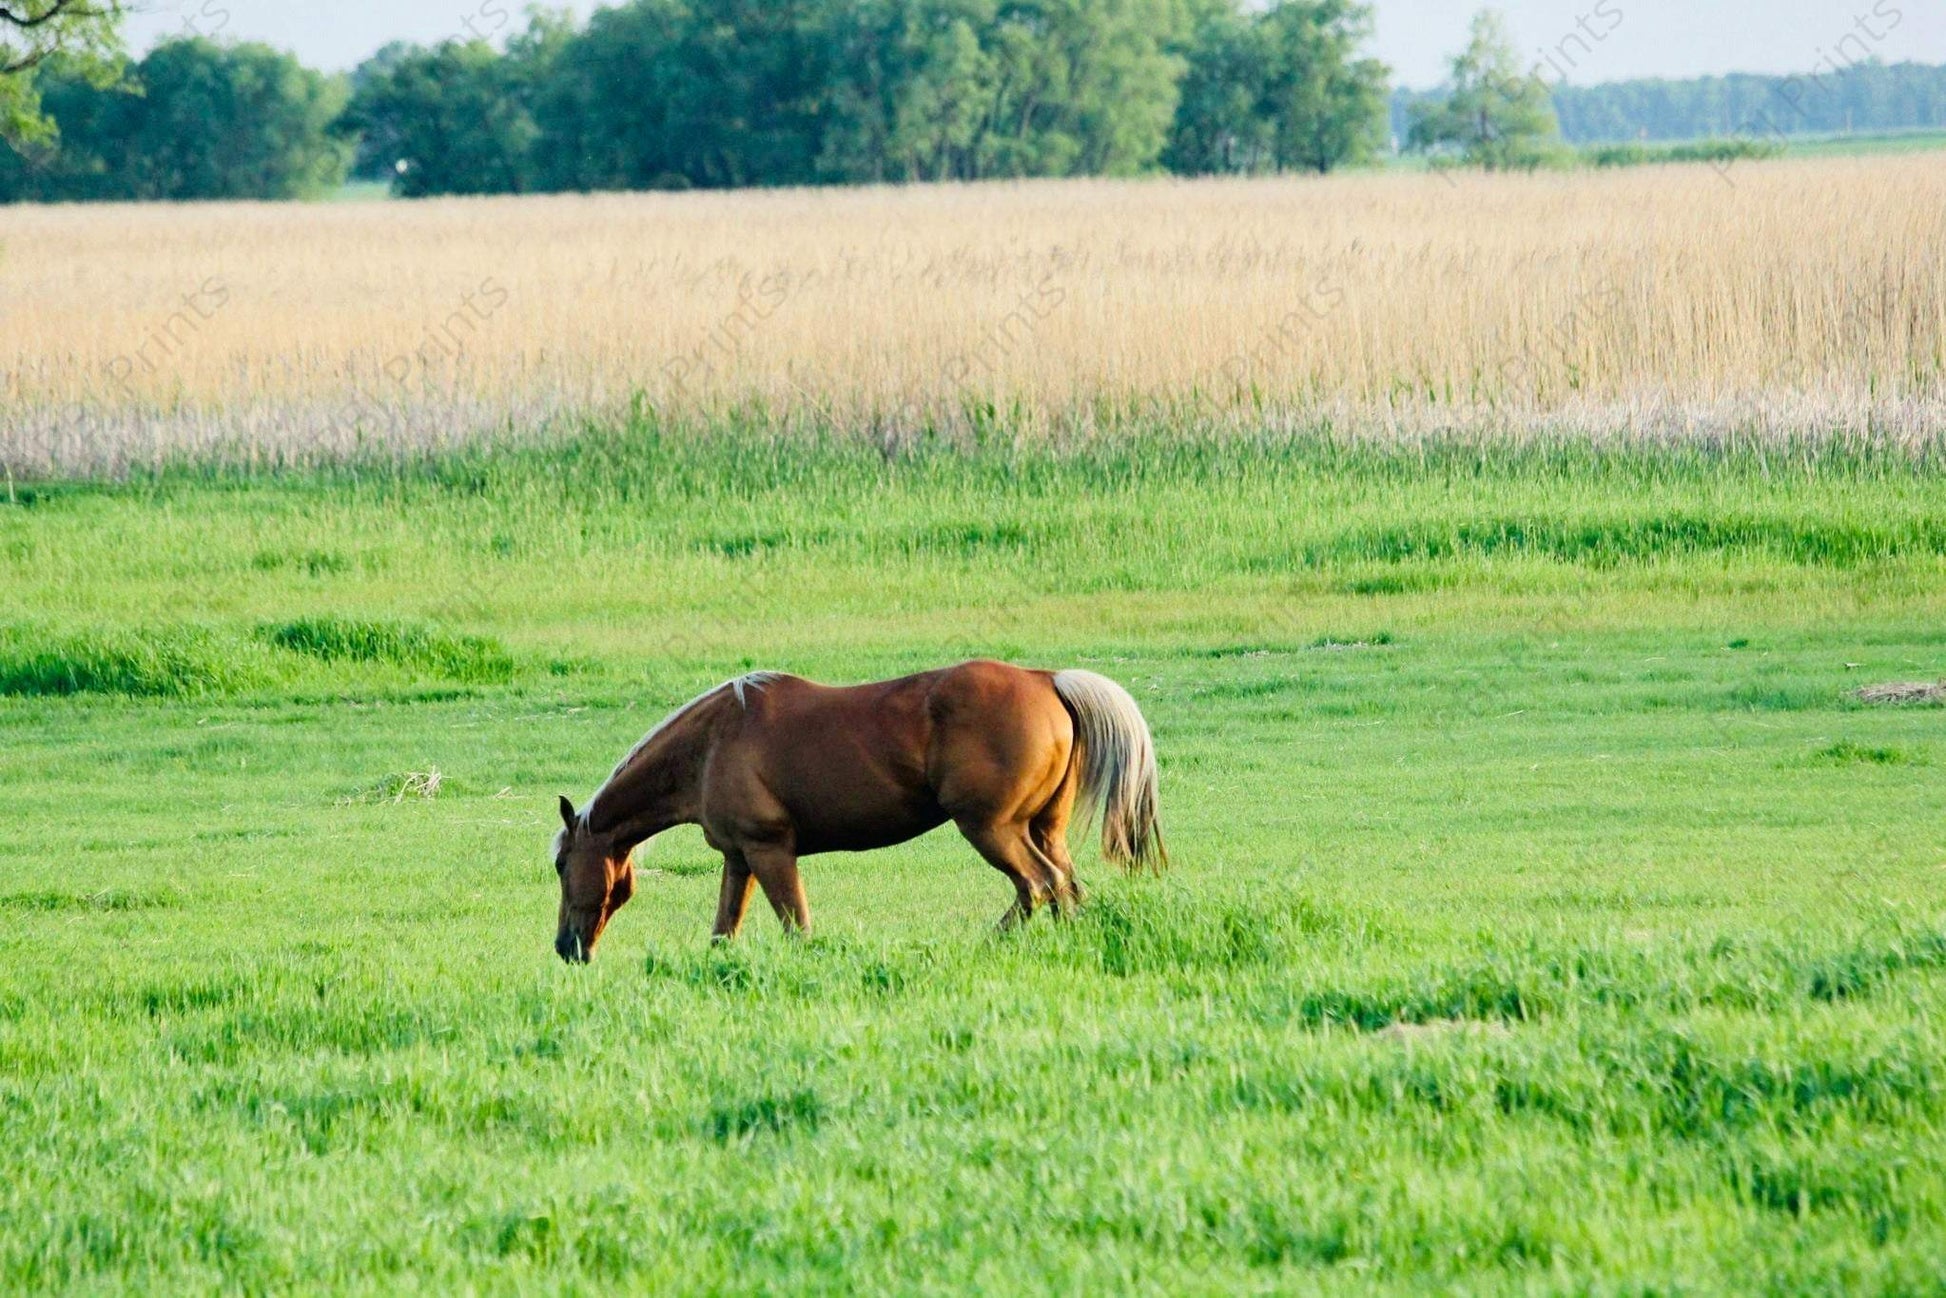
x=447, y=120
x=1125, y=82
x=1867, y=96
x=742, y=92
x=1221, y=124
x=659, y=94
x=194, y=119
x=1281, y=89
x=915, y=101
x=1040, y=88
x=1326, y=106
x=613, y=101
x=81, y=37
x=228, y=121
x=1496, y=114
x=372, y=158
x=1122, y=78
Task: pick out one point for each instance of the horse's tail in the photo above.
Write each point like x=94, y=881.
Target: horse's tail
x=1117, y=761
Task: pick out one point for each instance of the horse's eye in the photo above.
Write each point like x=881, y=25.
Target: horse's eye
x=560, y=865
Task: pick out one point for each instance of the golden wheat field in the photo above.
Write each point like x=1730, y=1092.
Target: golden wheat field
x=1802, y=296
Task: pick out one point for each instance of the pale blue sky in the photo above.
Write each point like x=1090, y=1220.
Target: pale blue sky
x=1587, y=40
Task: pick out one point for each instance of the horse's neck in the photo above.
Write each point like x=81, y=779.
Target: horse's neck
x=657, y=788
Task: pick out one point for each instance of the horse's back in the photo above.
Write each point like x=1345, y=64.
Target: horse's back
x=905, y=724
x=858, y=766
x=979, y=692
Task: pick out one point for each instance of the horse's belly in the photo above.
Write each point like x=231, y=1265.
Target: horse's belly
x=834, y=829
x=849, y=767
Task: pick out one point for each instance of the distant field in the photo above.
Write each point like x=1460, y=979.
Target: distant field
x=1671, y=302
x=1547, y=914
x=1881, y=142
x=361, y=191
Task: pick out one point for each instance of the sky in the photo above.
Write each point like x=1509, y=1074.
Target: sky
x=1582, y=41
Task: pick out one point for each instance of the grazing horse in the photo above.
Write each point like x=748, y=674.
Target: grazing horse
x=774, y=767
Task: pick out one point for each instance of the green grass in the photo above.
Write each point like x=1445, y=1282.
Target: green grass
x=1919, y=140
x=469, y=658
x=162, y=661
x=361, y=191
x=1547, y=914
x=1720, y=151
x=1640, y=153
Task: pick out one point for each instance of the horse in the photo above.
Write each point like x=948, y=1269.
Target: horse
x=774, y=767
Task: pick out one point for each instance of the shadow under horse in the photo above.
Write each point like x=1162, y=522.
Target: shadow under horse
x=774, y=767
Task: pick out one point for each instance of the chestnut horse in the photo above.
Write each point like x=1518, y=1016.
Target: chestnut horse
x=774, y=767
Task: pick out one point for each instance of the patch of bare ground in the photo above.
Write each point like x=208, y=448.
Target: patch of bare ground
x=1899, y=693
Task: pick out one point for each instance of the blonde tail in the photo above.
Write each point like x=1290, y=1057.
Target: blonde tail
x=1118, y=775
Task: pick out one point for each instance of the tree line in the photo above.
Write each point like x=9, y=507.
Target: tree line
x=192, y=120
x=713, y=93
x=1862, y=98
x=718, y=93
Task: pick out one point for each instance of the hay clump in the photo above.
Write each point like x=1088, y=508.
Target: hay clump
x=1904, y=693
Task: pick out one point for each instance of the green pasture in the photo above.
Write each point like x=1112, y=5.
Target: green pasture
x=1547, y=914
x=1867, y=142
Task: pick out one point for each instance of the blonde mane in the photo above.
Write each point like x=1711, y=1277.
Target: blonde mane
x=738, y=685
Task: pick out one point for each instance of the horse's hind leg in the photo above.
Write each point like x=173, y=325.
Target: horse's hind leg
x=1048, y=832
x=1007, y=849
x=1052, y=852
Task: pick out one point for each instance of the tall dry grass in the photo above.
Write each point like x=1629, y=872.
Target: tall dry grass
x=1799, y=297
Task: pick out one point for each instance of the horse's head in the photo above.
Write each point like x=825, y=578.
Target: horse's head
x=595, y=882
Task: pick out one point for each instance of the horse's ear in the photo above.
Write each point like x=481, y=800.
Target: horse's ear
x=567, y=811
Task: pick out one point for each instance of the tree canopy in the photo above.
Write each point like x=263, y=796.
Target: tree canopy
x=1496, y=113
x=193, y=119
x=1279, y=89
x=768, y=92
x=80, y=36
x=710, y=93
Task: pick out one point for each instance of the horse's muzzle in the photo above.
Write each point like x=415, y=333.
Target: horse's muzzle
x=569, y=946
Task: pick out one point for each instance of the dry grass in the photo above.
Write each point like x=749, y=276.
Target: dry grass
x=1905, y=692
x=398, y=788
x=1804, y=296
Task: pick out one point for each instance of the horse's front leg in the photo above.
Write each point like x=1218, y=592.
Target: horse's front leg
x=734, y=898
x=776, y=871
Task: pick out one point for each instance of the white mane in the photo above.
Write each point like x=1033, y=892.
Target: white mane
x=737, y=685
